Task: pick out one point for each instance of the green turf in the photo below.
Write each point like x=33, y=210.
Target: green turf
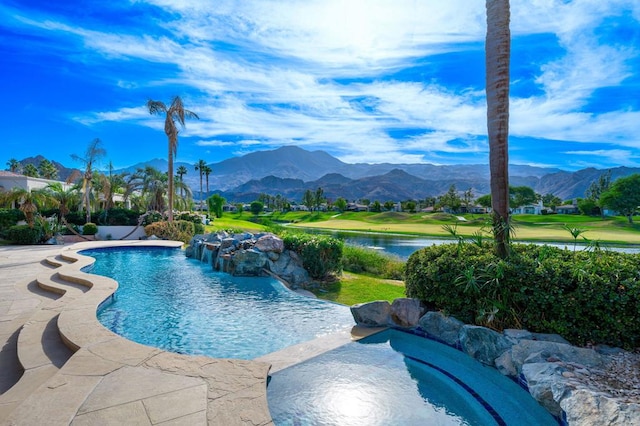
x=355, y=288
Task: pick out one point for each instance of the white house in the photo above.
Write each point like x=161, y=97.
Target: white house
x=10, y=180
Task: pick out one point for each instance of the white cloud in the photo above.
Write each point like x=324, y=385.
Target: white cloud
x=278, y=83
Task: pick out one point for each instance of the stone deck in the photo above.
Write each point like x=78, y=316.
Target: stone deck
x=59, y=365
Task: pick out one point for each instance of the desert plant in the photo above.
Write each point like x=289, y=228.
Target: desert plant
x=178, y=230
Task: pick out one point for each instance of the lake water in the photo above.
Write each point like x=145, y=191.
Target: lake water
x=404, y=245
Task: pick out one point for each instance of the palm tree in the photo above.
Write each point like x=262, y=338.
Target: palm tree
x=182, y=170
x=200, y=166
x=13, y=165
x=30, y=170
x=47, y=170
x=28, y=199
x=207, y=172
x=497, y=53
x=63, y=198
x=184, y=201
x=94, y=152
x=175, y=112
x=154, y=188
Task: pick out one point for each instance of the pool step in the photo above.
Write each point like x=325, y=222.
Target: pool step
x=58, y=260
x=40, y=349
x=41, y=354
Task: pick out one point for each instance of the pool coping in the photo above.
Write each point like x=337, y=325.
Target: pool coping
x=110, y=379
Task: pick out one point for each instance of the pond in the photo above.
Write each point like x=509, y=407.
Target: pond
x=404, y=245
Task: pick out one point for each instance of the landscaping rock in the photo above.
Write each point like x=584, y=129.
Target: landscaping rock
x=505, y=365
x=483, y=344
x=372, y=314
x=442, y=327
x=586, y=408
x=546, y=384
x=531, y=351
x=270, y=243
x=406, y=312
x=288, y=266
x=227, y=243
x=248, y=263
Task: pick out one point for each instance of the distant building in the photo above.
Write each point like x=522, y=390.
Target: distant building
x=567, y=209
x=10, y=180
x=474, y=209
x=354, y=207
x=529, y=209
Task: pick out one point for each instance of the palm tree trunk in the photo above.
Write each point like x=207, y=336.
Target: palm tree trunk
x=200, y=190
x=498, y=47
x=170, y=172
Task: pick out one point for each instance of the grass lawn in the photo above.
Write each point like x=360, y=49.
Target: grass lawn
x=355, y=288
x=234, y=222
x=527, y=227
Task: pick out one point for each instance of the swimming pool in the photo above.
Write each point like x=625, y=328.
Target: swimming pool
x=180, y=305
x=396, y=378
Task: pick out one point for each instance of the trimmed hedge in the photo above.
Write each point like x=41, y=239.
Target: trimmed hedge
x=118, y=217
x=321, y=255
x=25, y=235
x=585, y=296
x=89, y=229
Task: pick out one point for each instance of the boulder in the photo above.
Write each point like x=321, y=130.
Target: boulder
x=217, y=237
x=546, y=384
x=248, y=262
x=227, y=243
x=442, y=327
x=288, y=267
x=533, y=351
x=372, y=314
x=587, y=408
x=483, y=344
x=505, y=365
x=406, y=312
x=269, y=243
x=546, y=337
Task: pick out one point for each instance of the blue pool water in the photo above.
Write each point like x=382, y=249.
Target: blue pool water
x=180, y=305
x=396, y=378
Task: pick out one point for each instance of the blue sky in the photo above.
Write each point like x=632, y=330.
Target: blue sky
x=373, y=81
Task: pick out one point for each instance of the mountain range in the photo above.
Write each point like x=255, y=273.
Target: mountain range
x=290, y=171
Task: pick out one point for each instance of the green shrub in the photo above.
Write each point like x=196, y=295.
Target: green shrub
x=89, y=229
x=23, y=234
x=152, y=217
x=118, y=217
x=321, y=255
x=583, y=296
x=192, y=217
x=9, y=218
x=368, y=261
x=178, y=230
x=75, y=218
